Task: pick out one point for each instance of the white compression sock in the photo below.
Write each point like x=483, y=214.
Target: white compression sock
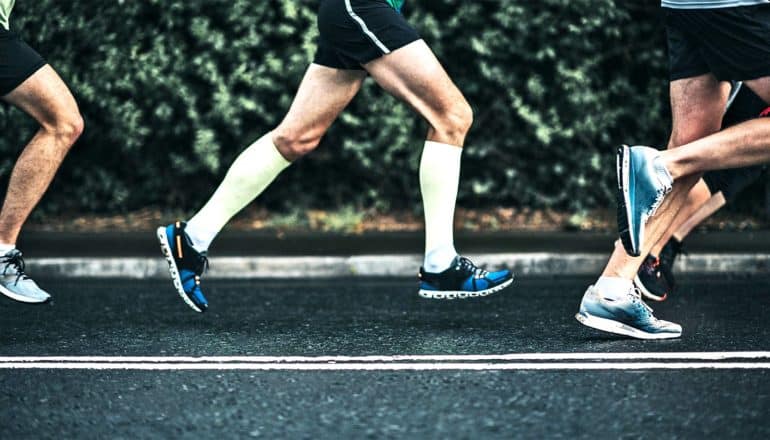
x=613, y=287
x=248, y=176
x=439, y=178
x=5, y=248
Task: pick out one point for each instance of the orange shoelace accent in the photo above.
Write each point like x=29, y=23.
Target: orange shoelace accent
x=179, y=243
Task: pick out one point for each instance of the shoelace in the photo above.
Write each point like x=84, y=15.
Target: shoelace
x=15, y=260
x=468, y=266
x=637, y=294
x=203, y=264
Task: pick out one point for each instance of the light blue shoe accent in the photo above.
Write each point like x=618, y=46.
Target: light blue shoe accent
x=14, y=282
x=628, y=316
x=643, y=182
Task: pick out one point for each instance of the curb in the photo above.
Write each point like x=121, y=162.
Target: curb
x=535, y=264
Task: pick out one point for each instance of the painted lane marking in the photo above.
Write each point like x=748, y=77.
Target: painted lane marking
x=700, y=356
x=395, y=366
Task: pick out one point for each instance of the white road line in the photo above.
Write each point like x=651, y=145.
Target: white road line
x=697, y=356
x=390, y=366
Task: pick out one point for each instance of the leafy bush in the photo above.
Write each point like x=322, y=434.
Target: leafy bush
x=172, y=90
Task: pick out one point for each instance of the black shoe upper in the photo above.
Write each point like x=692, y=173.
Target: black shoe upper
x=652, y=278
x=667, y=258
x=185, y=255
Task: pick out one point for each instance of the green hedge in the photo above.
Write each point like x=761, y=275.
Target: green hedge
x=172, y=90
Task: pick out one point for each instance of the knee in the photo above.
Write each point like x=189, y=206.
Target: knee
x=292, y=144
x=453, y=124
x=67, y=128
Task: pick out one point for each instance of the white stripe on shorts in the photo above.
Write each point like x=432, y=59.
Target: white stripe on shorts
x=364, y=28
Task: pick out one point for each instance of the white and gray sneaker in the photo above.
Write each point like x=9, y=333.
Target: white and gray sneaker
x=15, y=284
x=627, y=315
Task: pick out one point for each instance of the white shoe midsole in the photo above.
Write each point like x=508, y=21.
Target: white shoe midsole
x=619, y=328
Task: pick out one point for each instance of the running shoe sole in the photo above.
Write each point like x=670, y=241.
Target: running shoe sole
x=22, y=299
x=618, y=328
x=646, y=293
x=462, y=294
x=624, y=203
x=173, y=270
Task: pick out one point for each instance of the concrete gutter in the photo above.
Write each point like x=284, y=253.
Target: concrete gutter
x=394, y=265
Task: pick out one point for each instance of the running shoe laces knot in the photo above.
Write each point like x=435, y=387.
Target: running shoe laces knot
x=15, y=261
x=637, y=294
x=467, y=266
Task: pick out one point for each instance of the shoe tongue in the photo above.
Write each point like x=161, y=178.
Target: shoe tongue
x=661, y=172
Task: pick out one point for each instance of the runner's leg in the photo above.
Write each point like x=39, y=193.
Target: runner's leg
x=46, y=98
x=322, y=95
x=414, y=74
x=697, y=106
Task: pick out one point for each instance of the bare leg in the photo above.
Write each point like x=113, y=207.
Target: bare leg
x=712, y=205
x=414, y=75
x=697, y=106
x=45, y=97
x=739, y=146
x=698, y=197
x=322, y=95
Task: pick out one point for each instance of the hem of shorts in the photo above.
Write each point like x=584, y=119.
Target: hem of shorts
x=392, y=49
x=25, y=76
x=760, y=72
x=687, y=74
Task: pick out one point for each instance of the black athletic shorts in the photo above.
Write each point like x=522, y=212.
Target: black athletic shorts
x=731, y=43
x=354, y=32
x=17, y=61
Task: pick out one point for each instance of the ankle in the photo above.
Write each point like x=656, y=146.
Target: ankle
x=439, y=259
x=5, y=248
x=613, y=287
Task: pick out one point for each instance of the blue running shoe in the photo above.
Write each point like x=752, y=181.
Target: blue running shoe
x=628, y=316
x=643, y=182
x=185, y=264
x=462, y=280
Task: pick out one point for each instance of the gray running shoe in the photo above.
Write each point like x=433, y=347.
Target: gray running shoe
x=643, y=182
x=628, y=316
x=15, y=284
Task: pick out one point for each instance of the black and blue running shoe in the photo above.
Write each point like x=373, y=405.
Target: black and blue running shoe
x=185, y=264
x=462, y=280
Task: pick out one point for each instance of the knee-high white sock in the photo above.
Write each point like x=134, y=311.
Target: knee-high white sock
x=248, y=176
x=439, y=178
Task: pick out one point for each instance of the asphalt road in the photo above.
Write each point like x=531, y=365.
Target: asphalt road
x=375, y=317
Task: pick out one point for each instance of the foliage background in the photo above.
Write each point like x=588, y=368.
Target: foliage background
x=172, y=90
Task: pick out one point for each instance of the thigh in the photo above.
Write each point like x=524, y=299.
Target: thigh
x=697, y=107
x=323, y=93
x=414, y=75
x=44, y=96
